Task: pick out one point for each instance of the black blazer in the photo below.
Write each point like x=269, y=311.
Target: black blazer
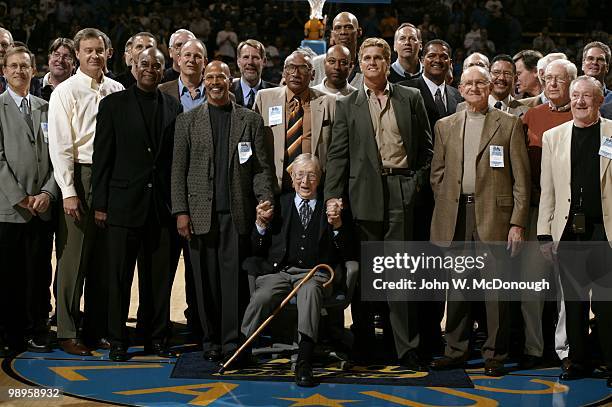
x=236, y=89
x=453, y=97
x=129, y=175
x=273, y=245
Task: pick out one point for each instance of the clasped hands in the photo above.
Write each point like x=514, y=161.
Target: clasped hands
x=36, y=204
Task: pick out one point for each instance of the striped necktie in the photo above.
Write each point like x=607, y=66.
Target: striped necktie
x=305, y=213
x=294, y=131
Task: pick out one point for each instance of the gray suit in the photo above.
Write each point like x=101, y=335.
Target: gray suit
x=220, y=236
x=25, y=240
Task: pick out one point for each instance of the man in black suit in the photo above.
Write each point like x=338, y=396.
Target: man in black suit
x=220, y=171
x=297, y=239
x=440, y=99
x=251, y=60
x=131, y=196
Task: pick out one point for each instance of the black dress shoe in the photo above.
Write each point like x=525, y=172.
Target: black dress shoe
x=494, y=368
x=565, y=364
x=118, y=353
x=38, y=347
x=159, y=349
x=212, y=355
x=447, y=363
x=528, y=362
x=303, y=374
x=575, y=371
x=412, y=361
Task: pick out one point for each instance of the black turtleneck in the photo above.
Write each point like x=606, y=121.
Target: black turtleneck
x=585, y=171
x=149, y=107
x=220, y=123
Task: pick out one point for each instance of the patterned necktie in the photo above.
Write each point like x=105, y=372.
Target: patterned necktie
x=294, y=131
x=439, y=103
x=251, y=99
x=305, y=213
x=25, y=109
x=498, y=105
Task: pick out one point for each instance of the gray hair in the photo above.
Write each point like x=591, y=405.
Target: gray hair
x=306, y=158
x=476, y=54
x=5, y=31
x=197, y=41
x=485, y=72
x=600, y=45
x=179, y=32
x=585, y=78
x=547, y=59
x=570, y=68
x=307, y=53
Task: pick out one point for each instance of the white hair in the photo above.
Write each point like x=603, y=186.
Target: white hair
x=585, y=78
x=570, y=68
x=177, y=33
x=547, y=59
x=306, y=158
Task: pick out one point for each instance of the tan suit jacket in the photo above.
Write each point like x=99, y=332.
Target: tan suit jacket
x=532, y=101
x=171, y=89
x=515, y=108
x=555, y=198
x=502, y=194
x=322, y=112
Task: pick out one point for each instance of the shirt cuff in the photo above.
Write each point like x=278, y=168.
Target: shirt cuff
x=260, y=230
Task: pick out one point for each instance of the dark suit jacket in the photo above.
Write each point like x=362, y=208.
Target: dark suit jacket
x=193, y=168
x=354, y=157
x=452, y=99
x=606, y=111
x=236, y=89
x=130, y=175
x=273, y=245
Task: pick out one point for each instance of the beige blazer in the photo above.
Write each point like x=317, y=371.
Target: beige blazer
x=502, y=194
x=556, y=176
x=322, y=112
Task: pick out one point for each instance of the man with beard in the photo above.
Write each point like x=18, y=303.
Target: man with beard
x=62, y=59
x=131, y=197
x=177, y=40
x=220, y=171
x=251, y=60
x=407, y=43
x=345, y=31
x=338, y=65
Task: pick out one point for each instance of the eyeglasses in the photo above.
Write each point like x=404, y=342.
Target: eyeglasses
x=598, y=60
x=496, y=73
x=21, y=67
x=302, y=69
x=478, y=84
x=62, y=57
x=550, y=78
x=310, y=176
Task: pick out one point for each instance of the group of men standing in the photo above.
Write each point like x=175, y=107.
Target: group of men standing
x=385, y=151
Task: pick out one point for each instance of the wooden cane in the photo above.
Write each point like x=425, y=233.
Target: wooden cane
x=277, y=310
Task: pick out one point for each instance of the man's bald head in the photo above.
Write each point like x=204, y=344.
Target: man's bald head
x=149, y=69
x=152, y=52
x=345, y=31
x=217, y=80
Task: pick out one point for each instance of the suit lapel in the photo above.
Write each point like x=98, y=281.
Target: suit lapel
x=489, y=129
x=36, y=116
x=456, y=133
x=401, y=108
x=236, y=129
x=13, y=111
x=322, y=219
x=316, y=120
x=287, y=207
x=364, y=126
x=430, y=105
x=604, y=163
x=238, y=92
x=166, y=120
x=451, y=100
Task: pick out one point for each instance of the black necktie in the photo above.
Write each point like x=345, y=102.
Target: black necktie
x=251, y=99
x=439, y=103
x=305, y=213
x=498, y=105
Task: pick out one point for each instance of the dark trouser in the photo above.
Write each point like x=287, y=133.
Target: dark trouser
x=153, y=244
x=399, y=193
x=458, y=319
x=219, y=284
x=580, y=267
x=78, y=259
x=24, y=251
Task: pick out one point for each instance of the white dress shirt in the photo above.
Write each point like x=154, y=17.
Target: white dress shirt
x=433, y=88
x=72, y=124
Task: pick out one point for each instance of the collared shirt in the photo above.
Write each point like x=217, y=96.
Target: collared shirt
x=73, y=108
x=433, y=88
x=397, y=67
x=297, y=200
x=388, y=138
x=346, y=90
x=306, y=123
x=18, y=98
x=246, y=89
x=504, y=102
x=186, y=100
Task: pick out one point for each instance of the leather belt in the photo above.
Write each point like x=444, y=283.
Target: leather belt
x=467, y=198
x=396, y=171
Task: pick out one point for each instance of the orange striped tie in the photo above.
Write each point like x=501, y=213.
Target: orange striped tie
x=294, y=131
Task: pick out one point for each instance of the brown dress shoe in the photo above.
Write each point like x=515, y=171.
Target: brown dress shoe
x=445, y=363
x=74, y=347
x=494, y=368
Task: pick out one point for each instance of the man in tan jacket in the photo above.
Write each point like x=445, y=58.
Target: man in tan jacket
x=480, y=179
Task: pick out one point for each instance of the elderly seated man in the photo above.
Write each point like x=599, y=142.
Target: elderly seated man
x=302, y=234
